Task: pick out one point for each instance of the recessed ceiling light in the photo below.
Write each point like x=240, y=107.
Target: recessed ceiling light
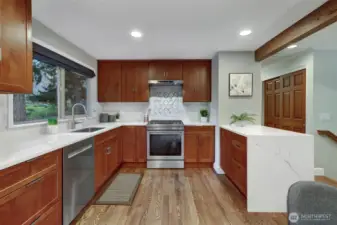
x=136, y=34
x=292, y=46
x=245, y=32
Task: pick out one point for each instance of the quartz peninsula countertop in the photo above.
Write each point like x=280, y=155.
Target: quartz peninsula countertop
x=258, y=130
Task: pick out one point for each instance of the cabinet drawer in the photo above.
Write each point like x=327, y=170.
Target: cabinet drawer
x=52, y=216
x=14, y=177
x=23, y=205
x=99, y=139
x=240, y=176
x=199, y=129
x=239, y=152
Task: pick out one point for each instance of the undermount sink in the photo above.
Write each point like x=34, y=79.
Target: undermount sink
x=88, y=130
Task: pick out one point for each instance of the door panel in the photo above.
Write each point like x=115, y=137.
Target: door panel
x=129, y=144
x=100, y=165
x=141, y=144
x=109, y=81
x=128, y=82
x=165, y=70
x=191, y=146
x=289, y=96
x=16, y=74
x=206, y=147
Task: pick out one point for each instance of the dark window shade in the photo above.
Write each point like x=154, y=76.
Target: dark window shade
x=45, y=55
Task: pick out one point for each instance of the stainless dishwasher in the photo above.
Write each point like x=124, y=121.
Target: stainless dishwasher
x=78, y=178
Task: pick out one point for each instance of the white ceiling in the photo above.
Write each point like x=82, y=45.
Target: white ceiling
x=172, y=28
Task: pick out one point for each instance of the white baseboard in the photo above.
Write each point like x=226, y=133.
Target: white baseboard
x=319, y=171
x=217, y=169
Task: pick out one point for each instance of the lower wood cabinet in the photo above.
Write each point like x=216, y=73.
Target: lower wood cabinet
x=108, y=156
x=134, y=144
x=233, y=158
x=51, y=217
x=29, y=199
x=199, y=144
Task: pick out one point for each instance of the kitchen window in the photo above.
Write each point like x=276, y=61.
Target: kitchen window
x=56, y=88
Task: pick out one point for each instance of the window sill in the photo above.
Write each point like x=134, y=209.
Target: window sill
x=44, y=123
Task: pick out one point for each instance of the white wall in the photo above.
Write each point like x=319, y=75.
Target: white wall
x=325, y=95
x=48, y=38
x=223, y=106
x=321, y=91
x=238, y=62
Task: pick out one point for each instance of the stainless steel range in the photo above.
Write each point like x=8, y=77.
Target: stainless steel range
x=165, y=144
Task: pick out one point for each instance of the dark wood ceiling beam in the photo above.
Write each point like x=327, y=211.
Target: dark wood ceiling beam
x=318, y=19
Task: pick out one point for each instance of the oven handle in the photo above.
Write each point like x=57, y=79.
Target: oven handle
x=166, y=132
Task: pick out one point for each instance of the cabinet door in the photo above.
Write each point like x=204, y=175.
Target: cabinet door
x=206, y=147
x=138, y=72
x=109, y=81
x=129, y=82
x=141, y=144
x=16, y=73
x=100, y=165
x=191, y=147
x=197, y=81
x=112, y=155
x=52, y=216
x=129, y=144
x=165, y=70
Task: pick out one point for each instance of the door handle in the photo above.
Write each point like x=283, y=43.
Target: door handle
x=34, y=181
x=34, y=222
x=75, y=153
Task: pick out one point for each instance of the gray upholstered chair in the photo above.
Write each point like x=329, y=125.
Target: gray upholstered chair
x=312, y=203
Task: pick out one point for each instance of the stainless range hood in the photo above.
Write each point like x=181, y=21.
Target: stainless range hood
x=166, y=82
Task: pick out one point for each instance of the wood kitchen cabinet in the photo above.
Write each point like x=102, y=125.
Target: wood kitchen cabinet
x=199, y=144
x=109, y=81
x=40, y=185
x=108, y=156
x=16, y=73
x=135, y=87
x=197, y=81
x=165, y=70
x=233, y=158
x=134, y=144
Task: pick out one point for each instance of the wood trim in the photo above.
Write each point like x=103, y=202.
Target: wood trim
x=133, y=165
x=318, y=19
x=198, y=165
x=328, y=134
x=326, y=180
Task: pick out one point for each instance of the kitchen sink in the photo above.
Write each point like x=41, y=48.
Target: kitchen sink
x=88, y=130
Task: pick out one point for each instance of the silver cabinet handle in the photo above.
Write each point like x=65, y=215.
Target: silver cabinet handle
x=34, y=181
x=79, y=151
x=0, y=53
x=34, y=222
x=108, y=150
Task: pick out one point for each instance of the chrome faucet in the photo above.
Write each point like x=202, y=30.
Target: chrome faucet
x=73, y=122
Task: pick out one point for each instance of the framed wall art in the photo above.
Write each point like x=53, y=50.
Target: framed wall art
x=240, y=84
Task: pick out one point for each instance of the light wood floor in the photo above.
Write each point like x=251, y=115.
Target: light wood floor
x=181, y=197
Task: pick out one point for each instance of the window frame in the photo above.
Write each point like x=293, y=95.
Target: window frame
x=60, y=103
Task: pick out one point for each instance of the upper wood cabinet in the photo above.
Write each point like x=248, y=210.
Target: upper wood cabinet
x=197, y=81
x=109, y=81
x=135, y=87
x=165, y=70
x=16, y=71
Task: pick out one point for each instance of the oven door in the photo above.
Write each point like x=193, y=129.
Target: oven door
x=165, y=145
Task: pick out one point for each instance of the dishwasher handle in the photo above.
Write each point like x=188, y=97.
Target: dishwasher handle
x=79, y=151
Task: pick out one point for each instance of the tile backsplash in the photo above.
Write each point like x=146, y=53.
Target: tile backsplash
x=165, y=102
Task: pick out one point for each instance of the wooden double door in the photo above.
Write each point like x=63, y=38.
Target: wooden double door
x=284, y=102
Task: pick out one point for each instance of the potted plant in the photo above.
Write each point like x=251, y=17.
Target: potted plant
x=204, y=115
x=117, y=117
x=242, y=119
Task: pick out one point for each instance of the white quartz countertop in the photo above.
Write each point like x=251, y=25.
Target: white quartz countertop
x=258, y=130
x=21, y=151
x=197, y=124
